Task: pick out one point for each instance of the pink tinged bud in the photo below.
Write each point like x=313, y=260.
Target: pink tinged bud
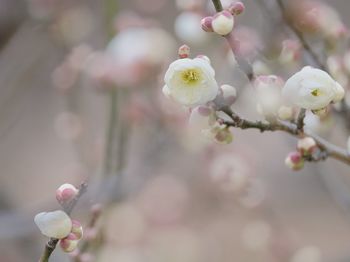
x=229, y=94
x=69, y=243
x=223, y=23
x=294, y=161
x=77, y=229
x=184, y=51
x=306, y=146
x=206, y=24
x=66, y=193
x=236, y=8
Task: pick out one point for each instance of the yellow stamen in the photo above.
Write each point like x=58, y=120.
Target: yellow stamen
x=190, y=76
x=316, y=92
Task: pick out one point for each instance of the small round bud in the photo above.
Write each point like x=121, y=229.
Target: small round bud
x=69, y=243
x=285, y=113
x=56, y=224
x=206, y=24
x=236, y=8
x=223, y=23
x=306, y=145
x=294, y=161
x=66, y=193
x=229, y=94
x=77, y=229
x=184, y=51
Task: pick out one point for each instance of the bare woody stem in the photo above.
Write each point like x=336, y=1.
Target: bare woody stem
x=300, y=119
x=217, y=5
x=328, y=149
x=52, y=243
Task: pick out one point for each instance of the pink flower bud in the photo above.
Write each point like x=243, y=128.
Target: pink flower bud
x=236, y=8
x=66, y=193
x=294, y=161
x=206, y=24
x=69, y=243
x=306, y=146
x=223, y=23
x=184, y=51
x=77, y=229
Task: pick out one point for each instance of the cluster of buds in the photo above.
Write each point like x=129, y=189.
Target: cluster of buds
x=306, y=148
x=203, y=119
x=222, y=22
x=58, y=224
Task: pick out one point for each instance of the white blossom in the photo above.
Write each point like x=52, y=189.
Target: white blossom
x=223, y=23
x=56, y=224
x=312, y=88
x=190, y=82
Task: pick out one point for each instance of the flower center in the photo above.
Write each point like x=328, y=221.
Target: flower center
x=191, y=76
x=316, y=92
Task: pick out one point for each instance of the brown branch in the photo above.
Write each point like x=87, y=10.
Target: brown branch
x=68, y=208
x=300, y=119
x=327, y=148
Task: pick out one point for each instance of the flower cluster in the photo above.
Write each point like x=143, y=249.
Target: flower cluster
x=192, y=83
x=57, y=224
x=306, y=149
x=223, y=22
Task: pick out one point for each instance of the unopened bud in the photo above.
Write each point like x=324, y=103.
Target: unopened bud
x=285, y=113
x=223, y=23
x=236, y=8
x=294, y=161
x=69, y=243
x=184, y=51
x=66, y=193
x=306, y=145
x=56, y=224
x=77, y=229
x=227, y=95
x=206, y=24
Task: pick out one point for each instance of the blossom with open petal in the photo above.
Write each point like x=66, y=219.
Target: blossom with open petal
x=312, y=88
x=191, y=82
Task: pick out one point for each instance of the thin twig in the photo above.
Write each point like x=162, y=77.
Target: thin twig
x=217, y=5
x=300, y=119
x=52, y=243
x=327, y=148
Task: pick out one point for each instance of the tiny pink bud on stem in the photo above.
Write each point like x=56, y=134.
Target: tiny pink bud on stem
x=66, y=193
x=184, y=51
x=236, y=8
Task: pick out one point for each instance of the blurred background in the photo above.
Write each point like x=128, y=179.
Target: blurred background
x=81, y=100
